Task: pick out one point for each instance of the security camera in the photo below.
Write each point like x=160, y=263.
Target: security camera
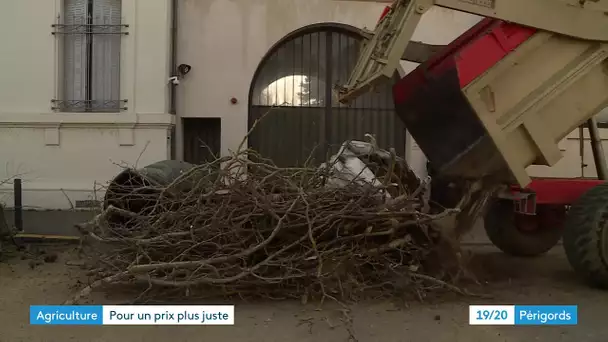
x=174, y=80
x=183, y=69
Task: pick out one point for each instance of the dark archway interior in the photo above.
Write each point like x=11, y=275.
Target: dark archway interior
x=295, y=81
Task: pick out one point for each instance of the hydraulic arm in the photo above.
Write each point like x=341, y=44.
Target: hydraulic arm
x=582, y=19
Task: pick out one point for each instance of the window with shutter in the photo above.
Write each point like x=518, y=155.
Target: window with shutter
x=90, y=33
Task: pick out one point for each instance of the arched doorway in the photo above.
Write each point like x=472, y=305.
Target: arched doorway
x=294, y=82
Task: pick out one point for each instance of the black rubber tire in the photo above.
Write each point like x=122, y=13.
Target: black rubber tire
x=501, y=228
x=585, y=236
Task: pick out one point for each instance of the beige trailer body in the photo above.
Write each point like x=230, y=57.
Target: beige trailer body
x=534, y=98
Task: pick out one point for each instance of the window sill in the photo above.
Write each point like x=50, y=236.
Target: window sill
x=87, y=119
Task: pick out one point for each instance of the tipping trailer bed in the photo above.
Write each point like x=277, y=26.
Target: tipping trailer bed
x=499, y=98
x=432, y=100
x=502, y=95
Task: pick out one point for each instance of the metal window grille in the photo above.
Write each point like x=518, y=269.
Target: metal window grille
x=90, y=34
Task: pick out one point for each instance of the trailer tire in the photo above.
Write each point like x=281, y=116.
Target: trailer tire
x=585, y=236
x=502, y=229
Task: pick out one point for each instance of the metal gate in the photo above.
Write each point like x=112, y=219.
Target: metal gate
x=301, y=117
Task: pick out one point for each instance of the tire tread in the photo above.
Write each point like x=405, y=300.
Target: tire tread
x=500, y=227
x=583, y=235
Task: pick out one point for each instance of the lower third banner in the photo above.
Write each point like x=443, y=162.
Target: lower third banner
x=132, y=314
x=523, y=315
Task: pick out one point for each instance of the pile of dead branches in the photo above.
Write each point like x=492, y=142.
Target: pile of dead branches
x=243, y=226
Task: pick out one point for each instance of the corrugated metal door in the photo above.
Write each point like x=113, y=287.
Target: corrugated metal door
x=294, y=86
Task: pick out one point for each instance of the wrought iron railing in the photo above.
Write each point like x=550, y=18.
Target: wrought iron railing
x=98, y=106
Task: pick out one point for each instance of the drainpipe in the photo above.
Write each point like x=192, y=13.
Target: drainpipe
x=176, y=136
x=173, y=57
